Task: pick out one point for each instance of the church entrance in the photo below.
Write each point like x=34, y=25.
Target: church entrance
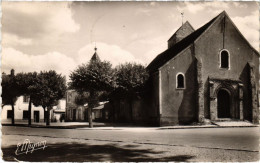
x=223, y=99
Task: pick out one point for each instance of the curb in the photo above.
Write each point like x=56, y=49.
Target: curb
x=165, y=128
x=121, y=128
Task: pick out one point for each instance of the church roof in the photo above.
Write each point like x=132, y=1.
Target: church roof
x=185, y=25
x=170, y=53
x=95, y=56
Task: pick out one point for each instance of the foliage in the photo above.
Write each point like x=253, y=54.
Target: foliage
x=82, y=99
x=9, y=90
x=130, y=79
x=26, y=86
x=26, y=82
x=50, y=88
x=96, y=78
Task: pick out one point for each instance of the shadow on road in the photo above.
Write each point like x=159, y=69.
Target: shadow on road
x=84, y=152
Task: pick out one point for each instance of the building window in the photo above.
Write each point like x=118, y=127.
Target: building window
x=180, y=81
x=9, y=113
x=224, y=59
x=25, y=114
x=26, y=99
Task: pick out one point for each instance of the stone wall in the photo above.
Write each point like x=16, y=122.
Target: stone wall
x=130, y=111
x=224, y=35
x=178, y=106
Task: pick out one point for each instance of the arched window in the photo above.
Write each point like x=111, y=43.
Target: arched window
x=180, y=80
x=224, y=59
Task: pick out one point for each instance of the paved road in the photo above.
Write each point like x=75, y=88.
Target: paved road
x=211, y=144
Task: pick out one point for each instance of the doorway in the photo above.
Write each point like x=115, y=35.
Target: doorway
x=36, y=115
x=74, y=115
x=223, y=104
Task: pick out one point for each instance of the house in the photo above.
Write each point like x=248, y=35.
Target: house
x=73, y=111
x=37, y=114
x=57, y=114
x=79, y=113
x=206, y=75
x=21, y=112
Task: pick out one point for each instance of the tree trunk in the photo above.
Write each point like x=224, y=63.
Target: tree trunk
x=12, y=114
x=30, y=112
x=44, y=114
x=48, y=117
x=131, y=110
x=90, y=117
x=90, y=107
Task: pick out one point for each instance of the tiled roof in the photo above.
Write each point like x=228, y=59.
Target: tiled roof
x=168, y=54
x=187, y=23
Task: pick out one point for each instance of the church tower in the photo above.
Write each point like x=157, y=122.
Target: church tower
x=95, y=56
x=180, y=34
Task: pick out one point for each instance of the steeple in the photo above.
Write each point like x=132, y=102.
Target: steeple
x=182, y=18
x=95, y=56
x=180, y=34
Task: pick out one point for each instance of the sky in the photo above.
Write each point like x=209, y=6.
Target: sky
x=60, y=36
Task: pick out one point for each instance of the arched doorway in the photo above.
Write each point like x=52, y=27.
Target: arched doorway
x=223, y=104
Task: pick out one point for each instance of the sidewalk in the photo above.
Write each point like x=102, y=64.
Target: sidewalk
x=59, y=125
x=120, y=126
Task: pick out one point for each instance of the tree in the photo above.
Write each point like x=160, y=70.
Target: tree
x=94, y=78
x=130, y=79
x=9, y=92
x=49, y=89
x=26, y=82
x=82, y=99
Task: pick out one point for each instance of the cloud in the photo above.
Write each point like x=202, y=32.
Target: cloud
x=156, y=46
x=195, y=7
x=112, y=53
x=10, y=39
x=12, y=58
x=152, y=53
x=39, y=19
x=249, y=27
x=62, y=20
x=153, y=3
x=21, y=62
x=240, y=5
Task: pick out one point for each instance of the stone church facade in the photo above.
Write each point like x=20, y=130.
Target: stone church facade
x=208, y=74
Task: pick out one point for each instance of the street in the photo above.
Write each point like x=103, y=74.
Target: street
x=134, y=144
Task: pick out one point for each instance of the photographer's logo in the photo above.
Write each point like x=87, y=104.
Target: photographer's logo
x=28, y=146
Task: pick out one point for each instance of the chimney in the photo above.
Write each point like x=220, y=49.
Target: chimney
x=12, y=72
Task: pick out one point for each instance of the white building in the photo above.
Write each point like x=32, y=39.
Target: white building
x=58, y=112
x=37, y=114
x=21, y=111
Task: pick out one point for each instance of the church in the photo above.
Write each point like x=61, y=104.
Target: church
x=206, y=75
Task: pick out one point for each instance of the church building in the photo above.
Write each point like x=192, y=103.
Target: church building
x=206, y=75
